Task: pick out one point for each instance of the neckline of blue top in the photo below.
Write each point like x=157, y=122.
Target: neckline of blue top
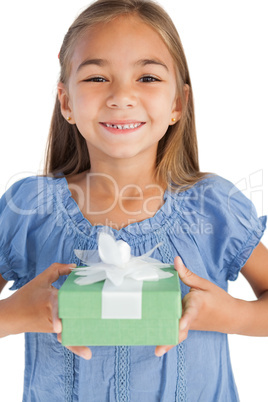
x=162, y=218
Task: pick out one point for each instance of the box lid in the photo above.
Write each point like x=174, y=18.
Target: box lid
x=161, y=299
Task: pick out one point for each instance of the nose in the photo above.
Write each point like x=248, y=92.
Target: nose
x=121, y=97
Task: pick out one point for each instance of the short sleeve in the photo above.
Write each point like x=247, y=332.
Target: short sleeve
x=223, y=224
x=21, y=214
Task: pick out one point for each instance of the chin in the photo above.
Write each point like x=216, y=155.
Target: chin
x=122, y=154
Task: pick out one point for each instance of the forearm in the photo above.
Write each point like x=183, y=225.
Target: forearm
x=251, y=317
x=9, y=324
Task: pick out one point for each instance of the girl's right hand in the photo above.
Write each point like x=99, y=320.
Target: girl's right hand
x=34, y=308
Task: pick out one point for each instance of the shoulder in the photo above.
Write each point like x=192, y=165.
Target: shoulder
x=29, y=194
x=219, y=202
x=28, y=217
x=214, y=193
x=212, y=185
x=33, y=185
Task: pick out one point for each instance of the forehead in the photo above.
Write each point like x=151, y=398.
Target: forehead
x=126, y=35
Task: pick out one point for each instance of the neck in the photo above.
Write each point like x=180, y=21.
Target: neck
x=132, y=175
x=117, y=192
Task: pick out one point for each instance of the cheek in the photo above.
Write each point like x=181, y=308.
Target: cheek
x=84, y=105
x=162, y=101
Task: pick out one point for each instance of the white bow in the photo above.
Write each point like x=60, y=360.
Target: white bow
x=115, y=262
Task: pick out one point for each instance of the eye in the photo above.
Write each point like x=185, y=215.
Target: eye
x=149, y=78
x=95, y=79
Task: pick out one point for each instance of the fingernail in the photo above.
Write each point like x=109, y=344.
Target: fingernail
x=183, y=325
x=72, y=265
x=160, y=352
x=87, y=354
x=57, y=327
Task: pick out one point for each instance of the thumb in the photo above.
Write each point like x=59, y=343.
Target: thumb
x=52, y=273
x=188, y=277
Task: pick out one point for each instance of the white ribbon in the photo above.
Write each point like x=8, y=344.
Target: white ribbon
x=123, y=301
x=123, y=275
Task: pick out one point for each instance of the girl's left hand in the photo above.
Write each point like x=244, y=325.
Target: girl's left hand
x=206, y=307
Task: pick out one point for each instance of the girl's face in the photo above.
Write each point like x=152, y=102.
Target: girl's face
x=121, y=92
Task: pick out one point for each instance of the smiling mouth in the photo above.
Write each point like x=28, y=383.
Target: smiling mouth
x=128, y=126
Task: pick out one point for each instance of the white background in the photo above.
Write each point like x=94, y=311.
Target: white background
x=226, y=47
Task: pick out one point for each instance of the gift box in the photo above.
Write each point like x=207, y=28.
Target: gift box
x=85, y=320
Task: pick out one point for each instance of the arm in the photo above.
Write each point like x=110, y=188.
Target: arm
x=253, y=315
x=34, y=307
x=207, y=307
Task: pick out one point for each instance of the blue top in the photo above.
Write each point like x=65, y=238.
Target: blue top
x=212, y=226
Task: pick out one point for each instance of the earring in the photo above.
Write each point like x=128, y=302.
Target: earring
x=173, y=119
x=69, y=118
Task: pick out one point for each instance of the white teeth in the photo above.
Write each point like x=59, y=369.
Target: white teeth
x=123, y=126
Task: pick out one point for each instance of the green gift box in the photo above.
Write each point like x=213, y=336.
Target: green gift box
x=80, y=309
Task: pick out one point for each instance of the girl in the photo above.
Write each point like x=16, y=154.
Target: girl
x=122, y=152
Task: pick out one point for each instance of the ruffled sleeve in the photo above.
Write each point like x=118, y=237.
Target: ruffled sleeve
x=22, y=209
x=223, y=225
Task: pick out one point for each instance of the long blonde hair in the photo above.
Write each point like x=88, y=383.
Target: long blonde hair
x=177, y=155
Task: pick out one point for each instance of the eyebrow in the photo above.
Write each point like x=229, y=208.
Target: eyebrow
x=88, y=62
x=146, y=62
x=103, y=62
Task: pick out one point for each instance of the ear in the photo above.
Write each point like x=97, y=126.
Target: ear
x=177, y=107
x=66, y=109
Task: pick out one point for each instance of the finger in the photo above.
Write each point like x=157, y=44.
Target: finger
x=183, y=335
x=57, y=326
x=190, y=314
x=56, y=321
x=184, y=327
x=52, y=273
x=82, y=351
x=188, y=277
x=161, y=350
